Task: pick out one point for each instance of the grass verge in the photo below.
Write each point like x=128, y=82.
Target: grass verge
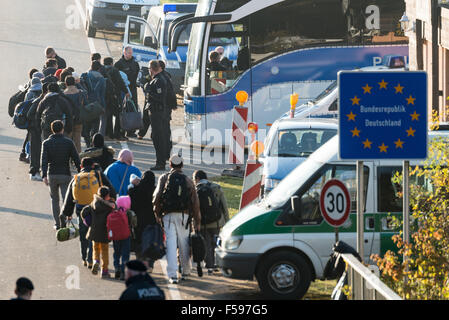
x=232, y=188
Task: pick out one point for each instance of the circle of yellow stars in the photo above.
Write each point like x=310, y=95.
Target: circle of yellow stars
x=383, y=85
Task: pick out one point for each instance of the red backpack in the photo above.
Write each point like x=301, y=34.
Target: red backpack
x=117, y=224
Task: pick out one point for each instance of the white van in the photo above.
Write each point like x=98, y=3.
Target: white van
x=111, y=14
x=286, y=250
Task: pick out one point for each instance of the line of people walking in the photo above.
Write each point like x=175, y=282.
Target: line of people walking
x=112, y=199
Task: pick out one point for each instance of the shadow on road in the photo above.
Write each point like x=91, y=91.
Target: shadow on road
x=27, y=213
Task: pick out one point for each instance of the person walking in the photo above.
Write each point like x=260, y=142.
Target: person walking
x=80, y=193
x=155, y=96
x=96, y=93
x=120, y=171
x=175, y=203
x=53, y=107
x=140, y=285
x=141, y=196
x=50, y=53
x=24, y=289
x=57, y=151
x=115, y=100
x=101, y=154
x=131, y=68
x=215, y=203
x=35, y=133
x=98, y=212
x=78, y=99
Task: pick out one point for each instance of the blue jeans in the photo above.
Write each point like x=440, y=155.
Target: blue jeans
x=86, y=245
x=122, y=249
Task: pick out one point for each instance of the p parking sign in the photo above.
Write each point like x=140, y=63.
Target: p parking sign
x=383, y=115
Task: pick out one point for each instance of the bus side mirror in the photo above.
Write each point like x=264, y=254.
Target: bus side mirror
x=296, y=206
x=149, y=42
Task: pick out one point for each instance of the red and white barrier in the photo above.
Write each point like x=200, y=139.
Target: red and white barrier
x=251, y=183
x=236, y=153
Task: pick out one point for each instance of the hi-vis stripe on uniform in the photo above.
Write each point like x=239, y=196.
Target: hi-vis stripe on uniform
x=251, y=183
x=236, y=153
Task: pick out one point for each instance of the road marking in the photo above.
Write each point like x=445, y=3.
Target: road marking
x=90, y=41
x=172, y=288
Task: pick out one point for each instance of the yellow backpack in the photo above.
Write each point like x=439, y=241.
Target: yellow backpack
x=85, y=185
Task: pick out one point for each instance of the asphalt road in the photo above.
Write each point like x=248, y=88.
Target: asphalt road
x=27, y=238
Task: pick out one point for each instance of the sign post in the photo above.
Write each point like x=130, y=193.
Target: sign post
x=382, y=115
x=335, y=204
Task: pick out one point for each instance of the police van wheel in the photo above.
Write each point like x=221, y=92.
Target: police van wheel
x=284, y=275
x=91, y=31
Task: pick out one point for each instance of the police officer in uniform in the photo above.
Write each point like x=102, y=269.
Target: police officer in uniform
x=155, y=96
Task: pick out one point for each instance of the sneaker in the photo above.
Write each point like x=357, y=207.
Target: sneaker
x=105, y=274
x=23, y=157
x=117, y=275
x=140, y=137
x=210, y=271
x=89, y=265
x=95, y=268
x=35, y=177
x=184, y=277
x=85, y=263
x=173, y=280
x=56, y=228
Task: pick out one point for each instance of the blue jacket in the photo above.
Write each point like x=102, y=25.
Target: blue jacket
x=115, y=173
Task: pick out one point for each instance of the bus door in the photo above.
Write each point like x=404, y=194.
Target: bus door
x=143, y=40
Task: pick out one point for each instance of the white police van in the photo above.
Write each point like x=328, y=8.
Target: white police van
x=111, y=14
x=149, y=39
x=285, y=244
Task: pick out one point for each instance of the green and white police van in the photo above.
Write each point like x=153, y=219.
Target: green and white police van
x=286, y=248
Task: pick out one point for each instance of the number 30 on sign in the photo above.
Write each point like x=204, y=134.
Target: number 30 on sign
x=335, y=202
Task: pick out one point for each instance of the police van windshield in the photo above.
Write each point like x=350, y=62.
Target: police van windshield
x=299, y=142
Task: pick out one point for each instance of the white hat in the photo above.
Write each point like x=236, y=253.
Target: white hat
x=75, y=75
x=176, y=160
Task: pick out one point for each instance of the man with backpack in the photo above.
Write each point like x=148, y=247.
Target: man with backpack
x=80, y=193
x=176, y=203
x=57, y=151
x=214, y=214
x=54, y=107
x=96, y=96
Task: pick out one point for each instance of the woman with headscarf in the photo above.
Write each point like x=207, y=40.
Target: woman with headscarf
x=141, y=203
x=101, y=154
x=120, y=171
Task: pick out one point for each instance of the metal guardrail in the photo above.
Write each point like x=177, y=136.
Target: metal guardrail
x=364, y=284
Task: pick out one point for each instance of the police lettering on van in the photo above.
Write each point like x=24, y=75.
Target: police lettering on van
x=111, y=14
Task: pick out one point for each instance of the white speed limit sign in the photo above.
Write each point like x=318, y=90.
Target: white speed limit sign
x=335, y=202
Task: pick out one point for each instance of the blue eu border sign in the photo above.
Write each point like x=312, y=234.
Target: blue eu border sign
x=383, y=115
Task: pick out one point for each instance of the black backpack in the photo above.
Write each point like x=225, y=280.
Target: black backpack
x=50, y=114
x=16, y=98
x=153, y=242
x=20, y=119
x=209, y=205
x=175, y=196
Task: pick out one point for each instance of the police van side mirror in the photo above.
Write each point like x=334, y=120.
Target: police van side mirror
x=150, y=42
x=296, y=206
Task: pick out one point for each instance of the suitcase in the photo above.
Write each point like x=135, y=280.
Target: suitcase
x=198, y=245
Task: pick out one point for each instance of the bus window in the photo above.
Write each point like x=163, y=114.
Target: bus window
x=224, y=62
x=387, y=197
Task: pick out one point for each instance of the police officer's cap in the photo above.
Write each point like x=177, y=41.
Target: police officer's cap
x=136, y=265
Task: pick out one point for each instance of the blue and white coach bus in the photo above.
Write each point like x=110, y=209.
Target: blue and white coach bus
x=285, y=47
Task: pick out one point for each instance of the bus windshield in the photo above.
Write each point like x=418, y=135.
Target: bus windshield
x=183, y=38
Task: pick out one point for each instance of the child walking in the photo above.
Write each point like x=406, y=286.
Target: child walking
x=97, y=213
x=122, y=248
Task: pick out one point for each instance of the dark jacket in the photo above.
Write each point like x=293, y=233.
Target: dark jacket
x=142, y=287
x=99, y=210
x=130, y=67
x=61, y=104
x=114, y=74
x=57, y=151
x=101, y=154
x=69, y=202
x=78, y=100
x=141, y=203
x=49, y=71
x=61, y=62
x=156, y=94
x=31, y=115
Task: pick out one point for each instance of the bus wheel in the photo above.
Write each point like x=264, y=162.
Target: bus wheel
x=284, y=275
